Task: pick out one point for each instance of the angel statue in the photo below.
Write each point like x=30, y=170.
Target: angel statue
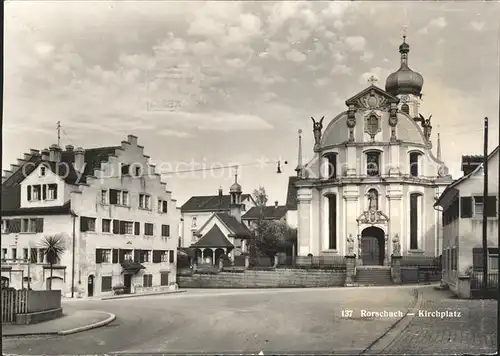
x=350, y=245
x=317, y=127
x=426, y=125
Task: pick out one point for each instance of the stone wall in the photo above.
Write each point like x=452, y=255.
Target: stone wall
x=280, y=278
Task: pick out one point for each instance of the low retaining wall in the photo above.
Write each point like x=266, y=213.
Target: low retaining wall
x=412, y=275
x=37, y=317
x=139, y=290
x=280, y=278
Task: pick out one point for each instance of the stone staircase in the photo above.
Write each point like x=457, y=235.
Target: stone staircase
x=373, y=276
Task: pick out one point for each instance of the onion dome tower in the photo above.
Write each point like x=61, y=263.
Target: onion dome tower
x=405, y=83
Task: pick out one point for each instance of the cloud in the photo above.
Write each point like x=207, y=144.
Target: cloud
x=356, y=43
x=341, y=69
x=367, y=56
x=379, y=73
x=477, y=26
x=339, y=56
x=173, y=133
x=437, y=23
x=295, y=56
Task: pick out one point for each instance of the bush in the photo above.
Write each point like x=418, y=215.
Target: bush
x=119, y=289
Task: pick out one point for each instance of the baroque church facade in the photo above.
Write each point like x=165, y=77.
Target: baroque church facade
x=370, y=187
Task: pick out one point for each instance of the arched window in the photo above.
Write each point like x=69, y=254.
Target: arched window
x=405, y=108
x=415, y=220
x=372, y=199
x=373, y=163
x=332, y=222
x=331, y=161
x=415, y=159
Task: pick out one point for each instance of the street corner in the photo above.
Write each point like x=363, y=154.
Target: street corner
x=89, y=319
x=68, y=324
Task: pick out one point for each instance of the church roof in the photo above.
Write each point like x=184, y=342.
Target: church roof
x=376, y=90
x=213, y=238
x=209, y=203
x=270, y=213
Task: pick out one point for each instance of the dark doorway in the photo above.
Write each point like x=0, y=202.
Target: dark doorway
x=127, y=282
x=372, y=246
x=90, y=286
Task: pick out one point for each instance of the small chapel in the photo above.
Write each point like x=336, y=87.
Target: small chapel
x=373, y=180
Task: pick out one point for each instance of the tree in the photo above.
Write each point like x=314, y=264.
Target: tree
x=270, y=236
x=54, y=248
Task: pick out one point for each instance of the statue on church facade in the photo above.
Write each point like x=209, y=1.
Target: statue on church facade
x=426, y=125
x=396, y=246
x=317, y=127
x=350, y=245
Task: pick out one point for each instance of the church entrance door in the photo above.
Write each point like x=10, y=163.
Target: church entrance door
x=372, y=246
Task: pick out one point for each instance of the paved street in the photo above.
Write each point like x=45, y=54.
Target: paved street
x=230, y=321
x=474, y=331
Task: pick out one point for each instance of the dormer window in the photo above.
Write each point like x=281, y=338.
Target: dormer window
x=414, y=163
x=405, y=108
x=373, y=163
x=43, y=171
x=51, y=191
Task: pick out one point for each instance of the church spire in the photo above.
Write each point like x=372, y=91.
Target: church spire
x=438, y=147
x=299, y=168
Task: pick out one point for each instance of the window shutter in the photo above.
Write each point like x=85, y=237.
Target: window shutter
x=121, y=256
x=477, y=259
x=113, y=196
x=156, y=256
x=116, y=226
x=165, y=206
x=39, y=225
x=15, y=225
x=137, y=228
x=164, y=279
x=29, y=192
x=171, y=256
x=115, y=255
x=137, y=255
x=34, y=255
x=167, y=230
x=44, y=192
x=98, y=256
x=55, y=191
x=83, y=224
x=491, y=206
x=465, y=207
x=122, y=227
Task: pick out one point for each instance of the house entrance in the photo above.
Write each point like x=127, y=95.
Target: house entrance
x=90, y=285
x=127, y=282
x=372, y=246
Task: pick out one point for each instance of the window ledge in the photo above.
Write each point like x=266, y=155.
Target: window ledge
x=416, y=252
x=145, y=209
x=481, y=218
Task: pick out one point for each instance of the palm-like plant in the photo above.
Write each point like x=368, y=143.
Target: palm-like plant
x=54, y=248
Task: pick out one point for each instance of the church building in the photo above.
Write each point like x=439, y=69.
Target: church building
x=374, y=178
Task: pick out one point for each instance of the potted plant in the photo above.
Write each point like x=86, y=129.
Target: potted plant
x=119, y=289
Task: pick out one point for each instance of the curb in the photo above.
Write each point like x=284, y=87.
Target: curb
x=90, y=326
x=127, y=296
x=388, y=337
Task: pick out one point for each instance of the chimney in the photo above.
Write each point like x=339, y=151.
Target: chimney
x=470, y=163
x=276, y=204
x=55, y=153
x=132, y=139
x=45, y=154
x=79, y=159
x=70, y=148
x=221, y=198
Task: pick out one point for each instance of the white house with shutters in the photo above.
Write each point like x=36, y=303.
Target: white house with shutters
x=119, y=223
x=462, y=208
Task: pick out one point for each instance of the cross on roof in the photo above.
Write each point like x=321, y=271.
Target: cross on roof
x=404, y=29
x=372, y=80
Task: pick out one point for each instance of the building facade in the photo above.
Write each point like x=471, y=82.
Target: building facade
x=372, y=182
x=462, y=215
x=118, y=222
x=199, y=209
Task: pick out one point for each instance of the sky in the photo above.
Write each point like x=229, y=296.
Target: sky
x=215, y=84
